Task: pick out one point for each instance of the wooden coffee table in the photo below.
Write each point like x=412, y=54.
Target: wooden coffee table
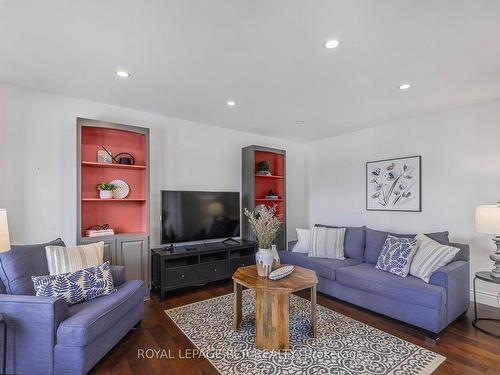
x=272, y=304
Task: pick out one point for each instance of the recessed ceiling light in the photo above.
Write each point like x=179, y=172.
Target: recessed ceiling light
x=404, y=86
x=122, y=74
x=231, y=103
x=299, y=122
x=332, y=44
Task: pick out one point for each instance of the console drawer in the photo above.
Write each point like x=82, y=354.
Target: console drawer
x=181, y=275
x=214, y=270
x=242, y=262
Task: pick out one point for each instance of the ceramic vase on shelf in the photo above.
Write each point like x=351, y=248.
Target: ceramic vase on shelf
x=276, y=258
x=264, y=261
x=106, y=194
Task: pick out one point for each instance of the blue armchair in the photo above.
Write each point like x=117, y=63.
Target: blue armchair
x=46, y=336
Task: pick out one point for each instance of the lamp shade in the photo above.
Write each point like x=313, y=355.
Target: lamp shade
x=488, y=219
x=4, y=232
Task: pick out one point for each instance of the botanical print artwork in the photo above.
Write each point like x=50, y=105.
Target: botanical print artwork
x=393, y=184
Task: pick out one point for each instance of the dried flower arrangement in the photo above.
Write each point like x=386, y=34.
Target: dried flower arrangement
x=264, y=223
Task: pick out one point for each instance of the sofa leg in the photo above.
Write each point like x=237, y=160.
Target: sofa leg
x=137, y=325
x=431, y=336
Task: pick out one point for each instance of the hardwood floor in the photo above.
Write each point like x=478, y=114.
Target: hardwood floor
x=468, y=350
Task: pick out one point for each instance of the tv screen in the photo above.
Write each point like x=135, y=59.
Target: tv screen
x=199, y=215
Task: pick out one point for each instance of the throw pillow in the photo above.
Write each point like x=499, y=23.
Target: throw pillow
x=354, y=241
x=327, y=243
x=396, y=255
x=75, y=287
x=303, y=239
x=62, y=259
x=20, y=263
x=430, y=256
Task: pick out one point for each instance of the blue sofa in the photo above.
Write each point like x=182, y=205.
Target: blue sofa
x=431, y=306
x=45, y=335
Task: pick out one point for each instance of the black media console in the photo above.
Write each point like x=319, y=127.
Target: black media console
x=208, y=262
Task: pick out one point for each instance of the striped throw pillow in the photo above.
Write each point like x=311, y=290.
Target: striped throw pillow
x=430, y=256
x=62, y=259
x=327, y=242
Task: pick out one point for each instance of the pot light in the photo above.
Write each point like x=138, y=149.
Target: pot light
x=231, y=103
x=404, y=86
x=331, y=44
x=299, y=122
x=122, y=74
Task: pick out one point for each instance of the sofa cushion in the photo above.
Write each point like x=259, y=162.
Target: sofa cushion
x=375, y=240
x=20, y=263
x=354, y=241
x=408, y=289
x=324, y=267
x=89, y=320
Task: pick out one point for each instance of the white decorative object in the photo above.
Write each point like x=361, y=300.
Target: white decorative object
x=276, y=257
x=281, y=272
x=303, y=241
x=104, y=157
x=264, y=262
x=488, y=222
x=106, y=194
x=4, y=232
x=394, y=184
x=122, y=189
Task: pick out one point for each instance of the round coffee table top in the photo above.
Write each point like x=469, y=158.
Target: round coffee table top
x=301, y=278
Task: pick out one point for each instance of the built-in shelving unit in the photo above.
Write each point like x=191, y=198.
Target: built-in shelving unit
x=255, y=187
x=129, y=217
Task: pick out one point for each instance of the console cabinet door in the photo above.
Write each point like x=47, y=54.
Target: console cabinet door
x=133, y=254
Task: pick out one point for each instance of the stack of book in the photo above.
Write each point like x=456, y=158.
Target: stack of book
x=100, y=232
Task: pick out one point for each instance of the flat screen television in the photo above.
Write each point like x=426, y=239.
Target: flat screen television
x=188, y=216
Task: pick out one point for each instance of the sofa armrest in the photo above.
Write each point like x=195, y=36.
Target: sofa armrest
x=454, y=278
x=32, y=324
x=118, y=273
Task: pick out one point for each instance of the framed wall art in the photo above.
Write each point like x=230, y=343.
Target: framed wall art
x=394, y=184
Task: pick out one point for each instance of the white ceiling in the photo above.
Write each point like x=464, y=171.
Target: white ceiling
x=188, y=57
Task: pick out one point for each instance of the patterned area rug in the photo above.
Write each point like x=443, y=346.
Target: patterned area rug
x=343, y=346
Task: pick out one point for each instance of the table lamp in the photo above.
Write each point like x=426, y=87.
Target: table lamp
x=4, y=246
x=488, y=221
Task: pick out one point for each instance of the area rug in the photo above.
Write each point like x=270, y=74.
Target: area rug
x=343, y=345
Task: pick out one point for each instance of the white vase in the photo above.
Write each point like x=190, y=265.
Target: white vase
x=276, y=258
x=264, y=262
x=106, y=194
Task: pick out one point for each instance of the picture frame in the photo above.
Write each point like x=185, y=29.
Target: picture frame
x=394, y=184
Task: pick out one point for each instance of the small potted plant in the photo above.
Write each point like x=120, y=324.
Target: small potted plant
x=263, y=168
x=105, y=190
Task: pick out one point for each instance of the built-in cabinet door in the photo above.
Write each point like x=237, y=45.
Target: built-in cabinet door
x=133, y=254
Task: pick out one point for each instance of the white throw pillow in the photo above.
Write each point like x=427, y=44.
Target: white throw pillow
x=327, y=243
x=430, y=256
x=303, y=240
x=62, y=259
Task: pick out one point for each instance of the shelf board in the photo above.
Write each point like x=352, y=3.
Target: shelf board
x=109, y=165
x=269, y=200
x=271, y=177
x=113, y=200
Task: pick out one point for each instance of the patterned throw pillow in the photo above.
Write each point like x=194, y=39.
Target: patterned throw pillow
x=430, y=256
x=396, y=255
x=327, y=243
x=62, y=259
x=75, y=287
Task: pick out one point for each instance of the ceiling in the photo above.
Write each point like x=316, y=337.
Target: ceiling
x=188, y=57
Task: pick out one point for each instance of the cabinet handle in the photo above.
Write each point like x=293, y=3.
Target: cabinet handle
x=215, y=269
x=243, y=264
x=182, y=275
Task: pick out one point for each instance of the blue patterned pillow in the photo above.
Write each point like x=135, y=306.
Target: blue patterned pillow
x=75, y=287
x=396, y=255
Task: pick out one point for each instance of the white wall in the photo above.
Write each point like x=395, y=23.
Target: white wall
x=460, y=169
x=38, y=161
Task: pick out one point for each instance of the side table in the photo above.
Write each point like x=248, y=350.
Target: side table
x=484, y=276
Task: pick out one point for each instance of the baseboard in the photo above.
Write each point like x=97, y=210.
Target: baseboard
x=486, y=298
